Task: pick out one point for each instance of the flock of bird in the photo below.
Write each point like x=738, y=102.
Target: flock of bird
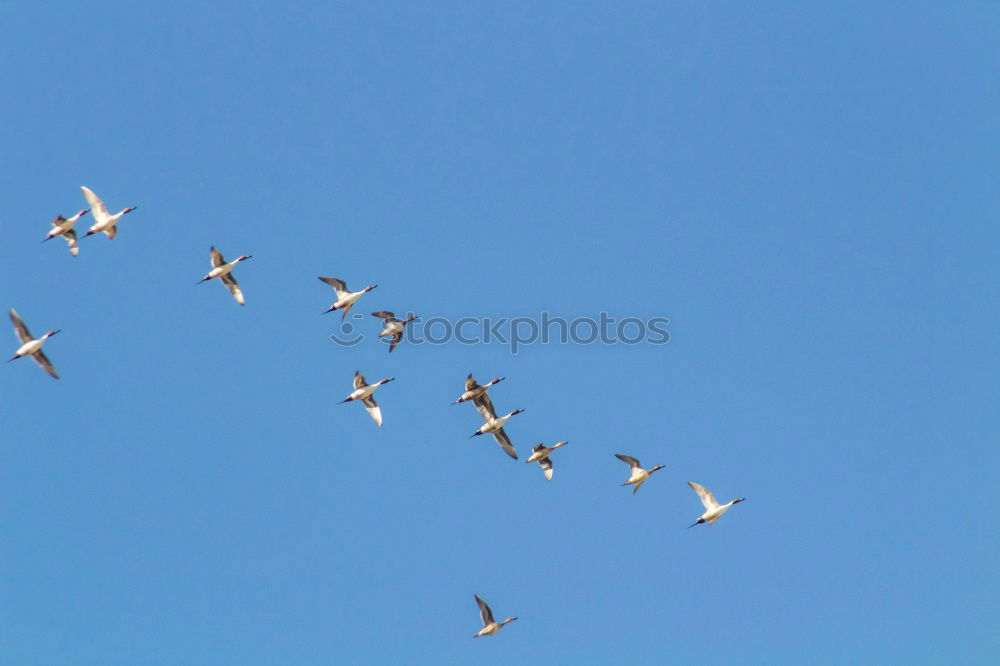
x=104, y=222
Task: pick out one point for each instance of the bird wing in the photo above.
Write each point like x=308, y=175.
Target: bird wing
x=384, y=314
x=484, y=611
x=706, y=496
x=485, y=406
x=233, y=287
x=504, y=441
x=546, y=464
x=338, y=285
x=20, y=330
x=70, y=237
x=217, y=259
x=43, y=360
x=470, y=383
x=111, y=231
x=346, y=309
x=57, y=222
x=373, y=409
x=629, y=460
x=395, y=341
x=359, y=380
x=97, y=207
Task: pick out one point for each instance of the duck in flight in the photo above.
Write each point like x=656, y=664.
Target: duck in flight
x=363, y=392
x=494, y=424
x=540, y=454
x=490, y=626
x=474, y=390
x=103, y=220
x=393, y=327
x=222, y=269
x=713, y=510
x=30, y=346
x=345, y=297
x=638, y=475
x=63, y=226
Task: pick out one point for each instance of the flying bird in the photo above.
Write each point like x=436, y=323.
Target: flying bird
x=30, y=346
x=494, y=425
x=224, y=271
x=638, y=474
x=474, y=390
x=63, y=226
x=540, y=454
x=490, y=626
x=393, y=327
x=363, y=392
x=713, y=510
x=103, y=220
x=345, y=297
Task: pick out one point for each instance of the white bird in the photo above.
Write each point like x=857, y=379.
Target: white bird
x=363, y=392
x=63, y=226
x=490, y=626
x=494, y=425
x=223, y=270
x=31, y=346
x=713, y=510
x=638, y=475
x=393, y=327
x=103, y=220
x=474, y=390
x=345, y=297
x=540, y=454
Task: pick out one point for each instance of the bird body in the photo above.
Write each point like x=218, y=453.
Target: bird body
x=494, y=426
x=363, y=392
x=63, y=226
x=490, y=626
x=31, y=346
x=393, y=327
x=474, y=390
x=345, y=297
x=638, y=475
x=495, y=423
x=540, y=454
x=223, y=270
x=103, y=220
x=713, y=510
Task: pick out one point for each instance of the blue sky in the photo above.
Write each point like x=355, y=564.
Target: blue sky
x=808, y=193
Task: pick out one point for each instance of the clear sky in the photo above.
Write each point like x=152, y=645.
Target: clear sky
x=808, y=191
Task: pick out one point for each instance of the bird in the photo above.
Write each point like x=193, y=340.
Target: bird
x=393, y=327
x=63, y=226
x=363, y=392
x=103, y=220
x=639, y=475
x=345, y=297
x=540, y=454
x=223, y=270
x=713, y=510
x=31, y=346
x=494, y=425
x=490, y=626
x=474, y=390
